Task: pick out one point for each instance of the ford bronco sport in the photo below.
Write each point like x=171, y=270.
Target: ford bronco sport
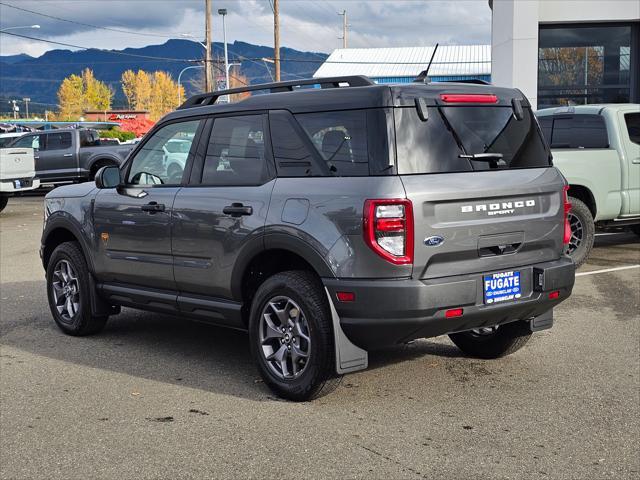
x=327, y=222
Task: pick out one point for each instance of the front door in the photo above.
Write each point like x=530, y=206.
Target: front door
x=630, y=135
x=133, y=222
x=220, y=215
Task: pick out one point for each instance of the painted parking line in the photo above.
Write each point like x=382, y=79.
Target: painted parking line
x=606, y=270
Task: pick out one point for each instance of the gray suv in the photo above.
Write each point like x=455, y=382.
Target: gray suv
x=327, y=218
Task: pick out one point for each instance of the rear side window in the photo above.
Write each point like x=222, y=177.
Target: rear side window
x=236, y=153
x=579, y=131
x=89, y=138
x=633, y=126
x=436, y=145
x=58, y=141
x=341, y=139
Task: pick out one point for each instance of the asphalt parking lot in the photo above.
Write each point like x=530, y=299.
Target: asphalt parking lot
x=159, y=397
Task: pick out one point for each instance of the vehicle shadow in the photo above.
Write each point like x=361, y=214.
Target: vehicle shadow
x=158, y=347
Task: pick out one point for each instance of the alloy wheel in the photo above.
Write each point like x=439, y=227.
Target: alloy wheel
x=66, y=290
x=284, y=337
x=577, y=233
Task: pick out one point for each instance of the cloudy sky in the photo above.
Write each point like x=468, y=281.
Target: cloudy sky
x=312, y=25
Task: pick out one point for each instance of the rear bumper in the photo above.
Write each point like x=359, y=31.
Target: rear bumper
x=8, y=185
x=387, y=312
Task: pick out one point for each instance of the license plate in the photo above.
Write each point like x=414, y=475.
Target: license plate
x=501, y=287
x=17, y=184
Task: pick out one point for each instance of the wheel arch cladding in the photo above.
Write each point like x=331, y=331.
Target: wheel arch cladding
x=59, y=233
x=265, y=264
x=583, y=193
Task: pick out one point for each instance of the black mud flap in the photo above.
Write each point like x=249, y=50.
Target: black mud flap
x=99, y=307
x=542, y=322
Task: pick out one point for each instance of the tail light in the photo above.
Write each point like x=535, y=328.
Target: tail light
x=468, y=98
x=567, y=208
x=388, y=229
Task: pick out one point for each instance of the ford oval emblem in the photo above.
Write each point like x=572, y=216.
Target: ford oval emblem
x=434, y=241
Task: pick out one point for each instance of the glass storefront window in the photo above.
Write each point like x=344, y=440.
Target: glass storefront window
x=580, y=65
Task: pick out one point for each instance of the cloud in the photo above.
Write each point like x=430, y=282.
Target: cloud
x=305, y=25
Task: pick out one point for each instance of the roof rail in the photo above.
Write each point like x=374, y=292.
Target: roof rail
x=276, y=87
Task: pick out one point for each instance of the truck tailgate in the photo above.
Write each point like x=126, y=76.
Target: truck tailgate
x=16, y=163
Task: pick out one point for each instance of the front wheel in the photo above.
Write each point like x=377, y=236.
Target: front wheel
x=493, y=342
x=636, y=229
x=68, y=291
x=291, y=336
x=3, y=202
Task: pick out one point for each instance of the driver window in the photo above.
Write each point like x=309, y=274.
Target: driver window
x=162, y=159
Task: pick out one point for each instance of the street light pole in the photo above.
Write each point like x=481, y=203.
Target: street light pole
x=223, y=12
x=180, y=76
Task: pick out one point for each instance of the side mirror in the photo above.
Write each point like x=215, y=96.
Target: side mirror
x=108, y=177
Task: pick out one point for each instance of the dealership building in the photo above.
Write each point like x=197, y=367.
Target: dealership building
x=558, y=52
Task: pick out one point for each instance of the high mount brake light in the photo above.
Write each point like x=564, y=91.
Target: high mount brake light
x=567, y=208
x=468, y=98
x=388, y=229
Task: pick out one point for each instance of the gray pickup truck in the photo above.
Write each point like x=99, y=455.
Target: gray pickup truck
x=70, y=155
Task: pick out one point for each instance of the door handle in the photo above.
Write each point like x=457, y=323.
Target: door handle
x=237, y=210
x=153, y=207
x=636, y=160
x=68, y=155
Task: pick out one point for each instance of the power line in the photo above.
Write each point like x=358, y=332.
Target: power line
x=84, y=24
x=114, y=52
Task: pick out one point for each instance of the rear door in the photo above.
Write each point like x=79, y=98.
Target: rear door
x=221, y=214
x=475, y=216
x=56, y=159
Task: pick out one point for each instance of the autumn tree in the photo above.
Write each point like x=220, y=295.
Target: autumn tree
x=156, y=92
x=78, y=93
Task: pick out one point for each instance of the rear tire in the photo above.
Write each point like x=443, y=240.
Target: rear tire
x=503, y=340
x=582, y=231
x=3, y=202
x=291, y=322
x=68, y=291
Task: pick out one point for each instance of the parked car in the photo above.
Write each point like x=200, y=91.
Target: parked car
x=327, y=222
x=70, y=155
x=17, y=173
x=597, y=148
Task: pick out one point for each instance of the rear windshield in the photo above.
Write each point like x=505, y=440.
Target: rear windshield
x=440, y=143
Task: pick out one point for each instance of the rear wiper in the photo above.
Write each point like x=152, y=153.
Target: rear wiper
x=495, y=160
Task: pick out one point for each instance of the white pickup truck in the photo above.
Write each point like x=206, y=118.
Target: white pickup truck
x=17, y=173
x=597, y=149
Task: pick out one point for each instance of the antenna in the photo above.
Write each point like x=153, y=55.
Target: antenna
x=423, y=74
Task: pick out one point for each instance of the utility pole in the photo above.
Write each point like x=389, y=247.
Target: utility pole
x=26, y=106
x=344, y=28
x=276, y=37
x=209, y=86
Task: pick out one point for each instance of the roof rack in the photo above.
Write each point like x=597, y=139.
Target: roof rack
x=277, y=87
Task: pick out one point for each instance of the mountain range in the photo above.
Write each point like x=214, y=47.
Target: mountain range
x=39, y=78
